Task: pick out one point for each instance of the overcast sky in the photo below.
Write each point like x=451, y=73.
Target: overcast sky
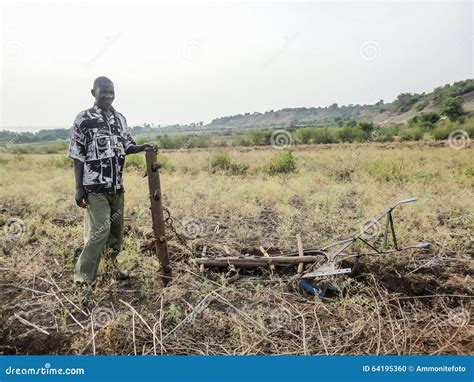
x=182, y=63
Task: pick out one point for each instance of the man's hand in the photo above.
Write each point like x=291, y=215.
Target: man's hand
x=81, y=197
x=150, y=147
x=145, y=147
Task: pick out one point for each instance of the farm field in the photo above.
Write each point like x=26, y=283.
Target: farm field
x=234, y=201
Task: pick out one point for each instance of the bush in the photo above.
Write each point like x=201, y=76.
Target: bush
x=387, y=134
x=425, y=120
x=441, y=132
x=220, y=161
x=282, y=163
x=304, y=135
x=452, y=108
x=324, y=135
x=137, y=162
x=346, y=134
x=411, y=134
x=405, y=101
x=367, y=128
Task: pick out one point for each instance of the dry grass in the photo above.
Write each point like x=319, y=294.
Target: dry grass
x=333, y=193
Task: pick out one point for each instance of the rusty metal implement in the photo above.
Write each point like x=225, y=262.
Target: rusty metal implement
x=327, y=260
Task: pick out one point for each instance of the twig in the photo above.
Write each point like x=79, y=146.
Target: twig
x=26, y=322
x=93, y=335
x=133, y=334
x=320, y=332
x=67, y=310
x=141, y=319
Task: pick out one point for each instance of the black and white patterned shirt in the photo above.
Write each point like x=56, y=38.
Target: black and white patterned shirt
x=100, y=142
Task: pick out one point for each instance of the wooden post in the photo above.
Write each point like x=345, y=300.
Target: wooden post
x=265, y=254
x=300, y=252
x=161, y=246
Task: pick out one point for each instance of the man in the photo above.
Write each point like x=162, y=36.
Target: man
x=100, y=139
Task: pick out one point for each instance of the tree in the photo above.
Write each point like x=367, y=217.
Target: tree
x=452, y=108
x=367, y=127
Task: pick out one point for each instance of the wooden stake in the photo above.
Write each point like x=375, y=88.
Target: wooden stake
x=300, y=252
x=265, y=253
x=161, y=246
x=201, y=267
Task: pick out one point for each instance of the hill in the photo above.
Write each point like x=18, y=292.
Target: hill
x=406, y=106
x=449, y=100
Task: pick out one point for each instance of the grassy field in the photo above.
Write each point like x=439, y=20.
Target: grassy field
x=406, y=303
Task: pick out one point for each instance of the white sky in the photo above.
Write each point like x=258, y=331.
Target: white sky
x=181, y=63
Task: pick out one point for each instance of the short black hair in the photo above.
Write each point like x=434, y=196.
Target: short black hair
x=101, y=80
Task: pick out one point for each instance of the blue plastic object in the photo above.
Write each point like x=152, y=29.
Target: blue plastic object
x=311, y=289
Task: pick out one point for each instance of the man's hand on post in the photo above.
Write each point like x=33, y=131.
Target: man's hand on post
x=81, y=197
x=150, y=147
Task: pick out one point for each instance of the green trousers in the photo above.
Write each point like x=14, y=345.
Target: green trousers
x=103, y=229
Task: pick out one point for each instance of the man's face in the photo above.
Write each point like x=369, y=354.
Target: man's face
x=104, y=95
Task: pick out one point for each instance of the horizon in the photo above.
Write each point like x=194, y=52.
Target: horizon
x=195, y=62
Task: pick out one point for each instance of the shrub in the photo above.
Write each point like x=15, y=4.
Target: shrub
x=441, y=132
x=220, y=161
x=367, y=127
x=282, y=163
x=346, y=134
x=411, y=134
x=323, y=135
x=405, y=101
x=135, y=162
x=452, y=108
x=425, y=120
x=387, y=134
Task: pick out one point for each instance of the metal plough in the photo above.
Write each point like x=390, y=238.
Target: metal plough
x=333, y=254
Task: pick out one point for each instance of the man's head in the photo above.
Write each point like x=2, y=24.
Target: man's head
x=103, y=92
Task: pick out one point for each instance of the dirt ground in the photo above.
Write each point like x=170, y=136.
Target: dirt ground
x=415, y=302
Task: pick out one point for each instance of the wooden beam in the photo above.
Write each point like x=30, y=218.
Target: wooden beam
x=255, y=262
